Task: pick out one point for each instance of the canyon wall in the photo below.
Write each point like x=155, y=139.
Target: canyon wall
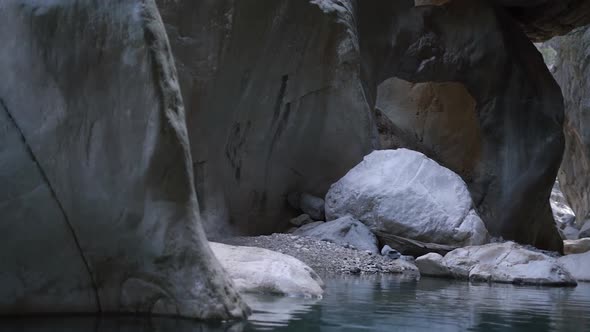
x=282, y=95
x=98, y=209
x=572, y=72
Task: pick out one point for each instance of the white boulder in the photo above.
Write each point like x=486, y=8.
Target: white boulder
x=343, y=231
x=404, y=193
x=257, y=270
x=498, y=262
x=578, y=265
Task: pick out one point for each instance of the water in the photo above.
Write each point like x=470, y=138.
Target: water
x=379, y=303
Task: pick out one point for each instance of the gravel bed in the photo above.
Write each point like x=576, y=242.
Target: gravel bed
x=327, y=257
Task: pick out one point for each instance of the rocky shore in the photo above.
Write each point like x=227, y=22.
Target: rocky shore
x=327, y=257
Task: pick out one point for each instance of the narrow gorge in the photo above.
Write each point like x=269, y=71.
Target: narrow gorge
x=132, y=132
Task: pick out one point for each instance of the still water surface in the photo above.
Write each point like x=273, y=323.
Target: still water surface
x=379, y=303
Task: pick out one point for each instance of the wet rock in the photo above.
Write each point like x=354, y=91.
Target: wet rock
x=499, y=262
x=256, y=270
x=345, y=231
x=404, y=193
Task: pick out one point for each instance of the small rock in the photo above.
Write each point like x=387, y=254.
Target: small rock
x=301, y=220
x=389, y=252
x=432, y=264
x=355, y=270
x=407, y=258
x=313, y=206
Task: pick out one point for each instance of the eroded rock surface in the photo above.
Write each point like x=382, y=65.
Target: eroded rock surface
x=98, y=209
x=404, y=193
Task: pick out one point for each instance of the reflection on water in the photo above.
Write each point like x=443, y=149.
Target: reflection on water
x=379, y=303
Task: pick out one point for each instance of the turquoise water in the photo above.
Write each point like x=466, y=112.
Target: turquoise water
x=376, y=304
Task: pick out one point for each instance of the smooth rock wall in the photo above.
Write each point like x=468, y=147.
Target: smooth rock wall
x=99, y=213
x=275, y=105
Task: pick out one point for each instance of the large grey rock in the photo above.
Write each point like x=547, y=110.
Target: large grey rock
x=257, y=270
x=97, y=204
x=577, y=265
x=498, y=262
x=585, y=231
x=402, y=192
x=345, y=230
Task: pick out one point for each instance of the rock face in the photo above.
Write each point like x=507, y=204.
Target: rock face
x=404, y=193
x=519, y=119
x=281, y=98
x=565, y=218
x=577, y=265
x=572, y=72
x=256, y=270
x=440, y=117
x=543, y=19
x=98, y=209
x=345, y=230
x=275, y=105
x=497, y=262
